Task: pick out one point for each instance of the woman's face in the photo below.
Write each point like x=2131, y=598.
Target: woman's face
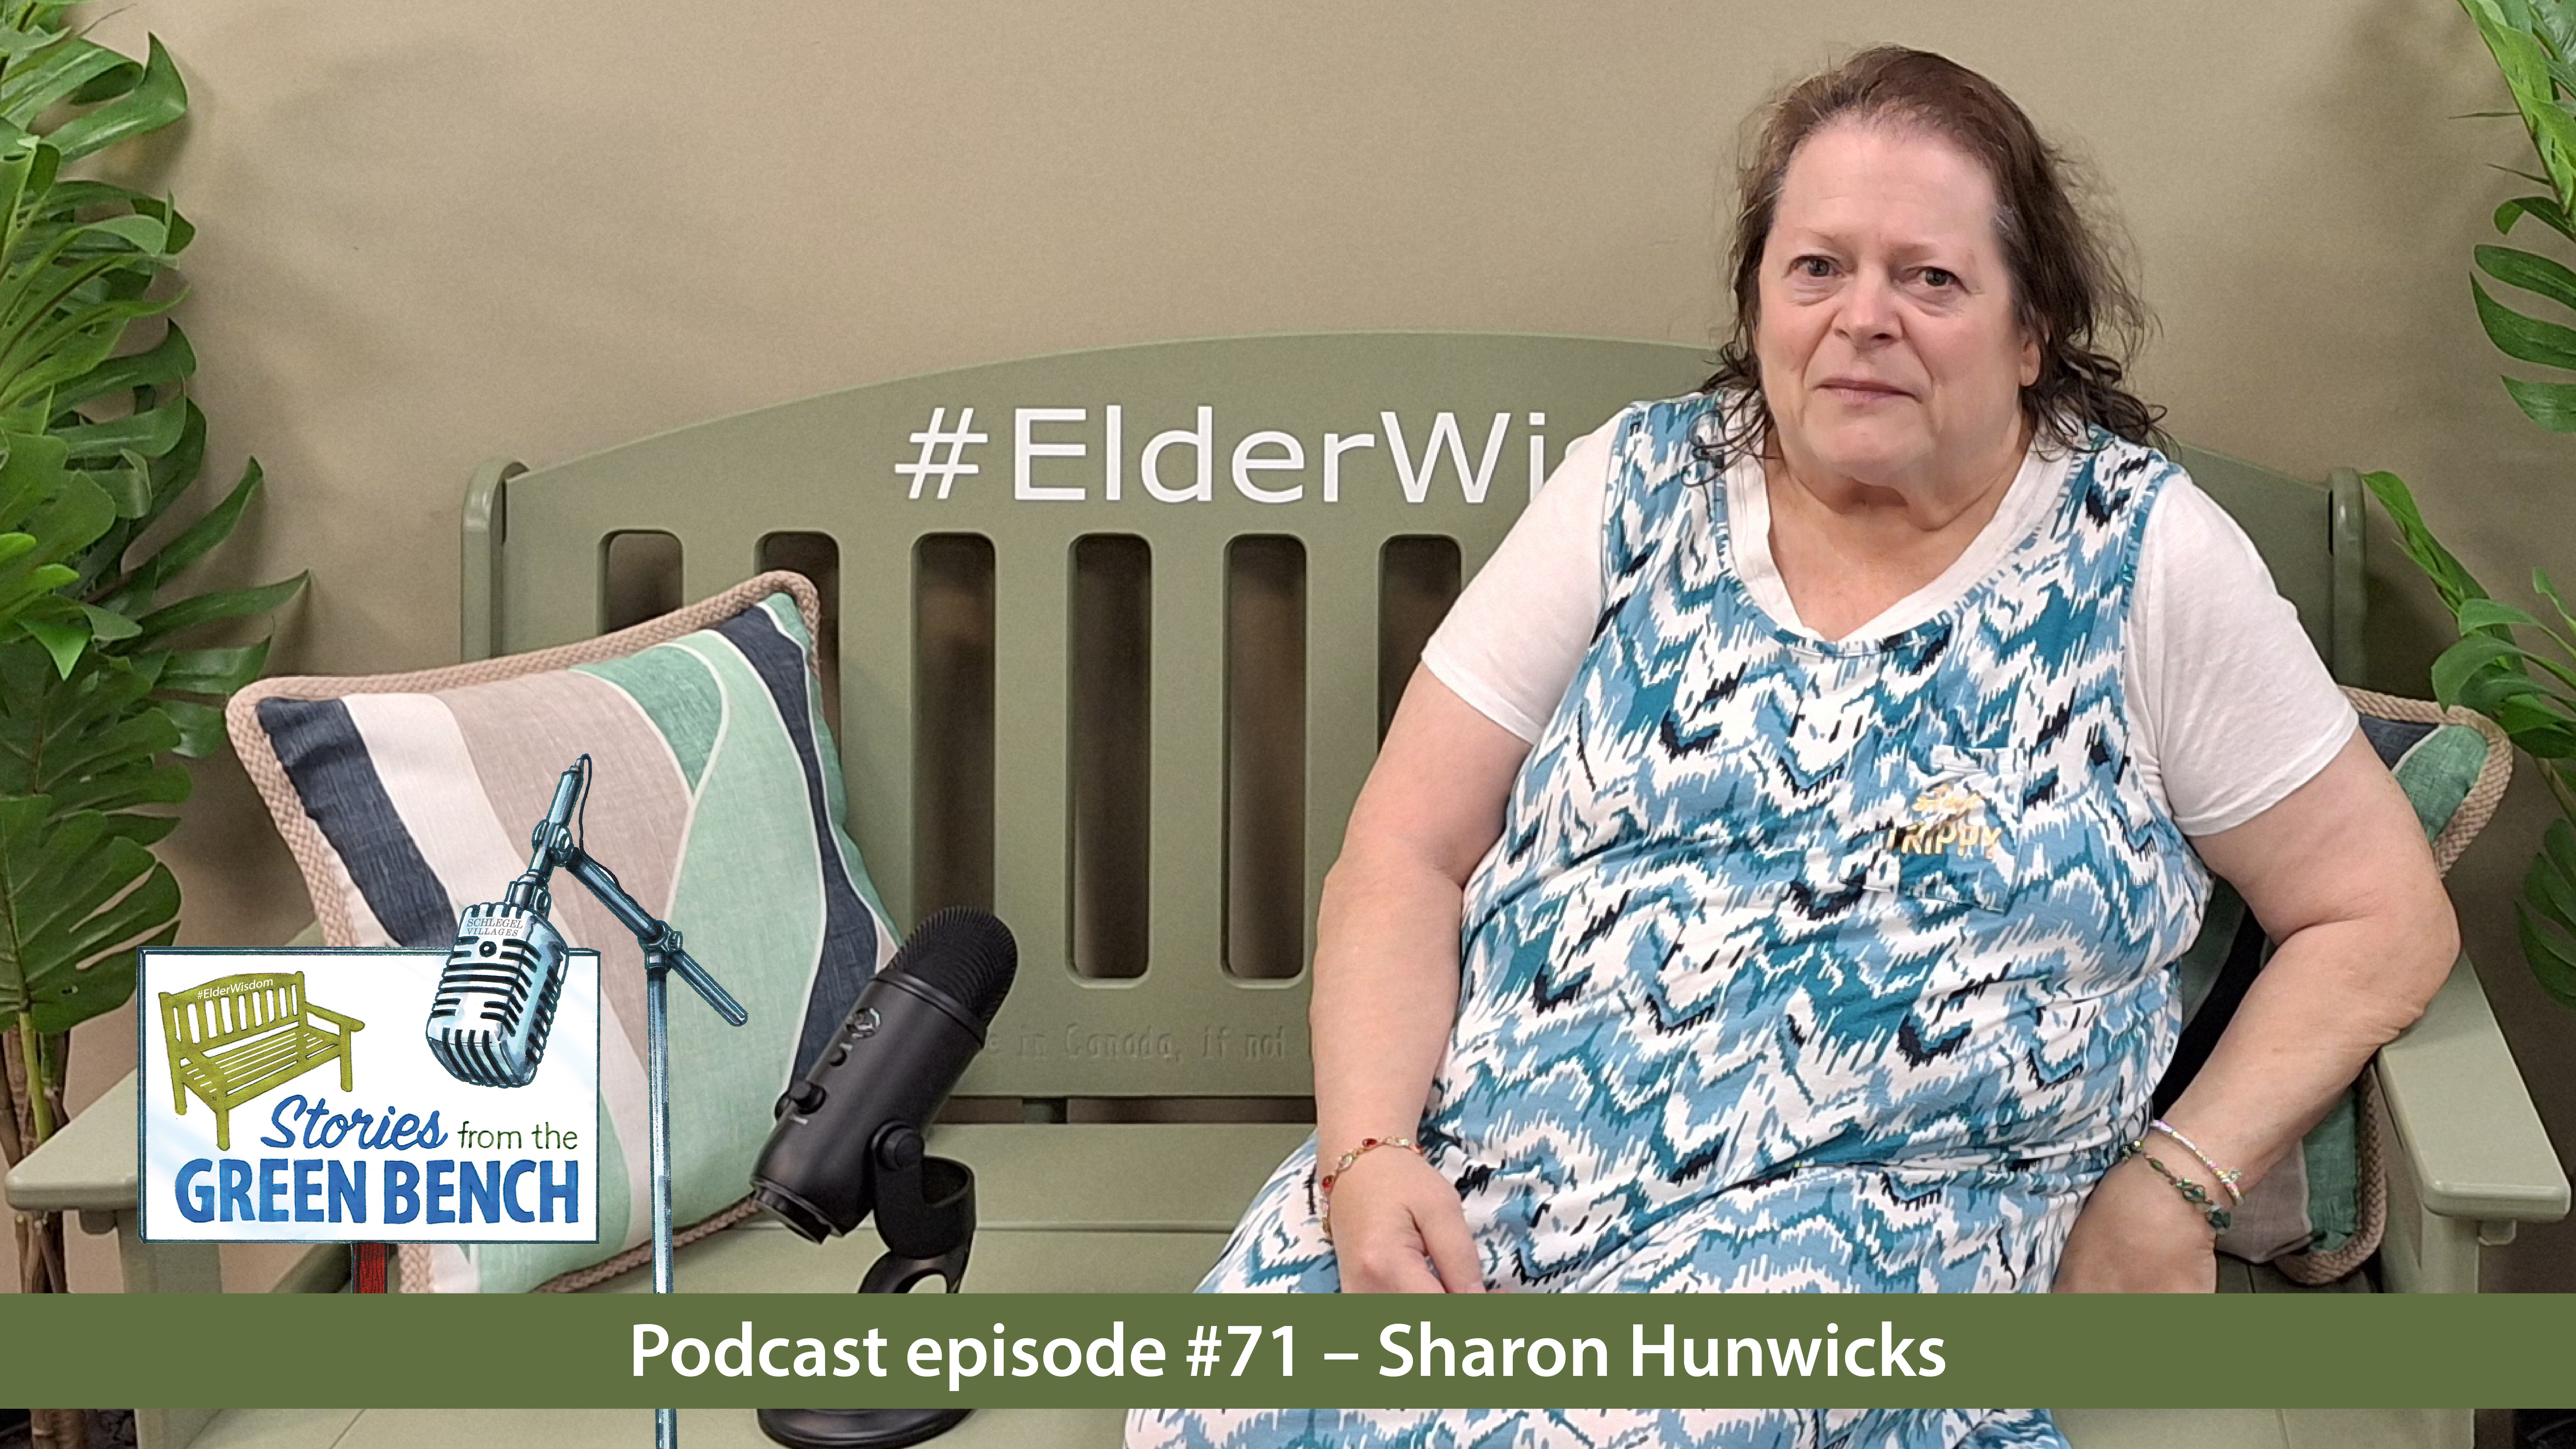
x=1886, y=336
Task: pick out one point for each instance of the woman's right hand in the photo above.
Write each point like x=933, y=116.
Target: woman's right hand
x=1398, y=1227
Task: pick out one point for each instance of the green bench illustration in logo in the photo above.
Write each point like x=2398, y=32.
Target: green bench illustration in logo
x=231, y=1039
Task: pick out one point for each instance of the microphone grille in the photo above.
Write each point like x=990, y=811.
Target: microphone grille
x=964, y=952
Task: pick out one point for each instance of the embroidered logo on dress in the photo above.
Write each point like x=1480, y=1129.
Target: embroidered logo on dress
x=1947, y=819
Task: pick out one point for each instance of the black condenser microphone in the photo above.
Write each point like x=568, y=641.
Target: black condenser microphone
x=497, y=993
x=894, y=1061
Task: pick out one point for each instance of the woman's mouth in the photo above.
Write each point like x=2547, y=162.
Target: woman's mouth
x=1861, y=390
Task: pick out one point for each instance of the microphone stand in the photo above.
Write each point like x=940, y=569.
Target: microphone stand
x=925, y=1211
x=553, y=846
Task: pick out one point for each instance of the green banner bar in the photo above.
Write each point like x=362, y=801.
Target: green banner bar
x=1063, y=1350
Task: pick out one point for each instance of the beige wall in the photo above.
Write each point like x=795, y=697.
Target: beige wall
x=431, y=233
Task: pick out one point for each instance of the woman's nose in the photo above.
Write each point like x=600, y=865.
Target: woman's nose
x=1869, y=308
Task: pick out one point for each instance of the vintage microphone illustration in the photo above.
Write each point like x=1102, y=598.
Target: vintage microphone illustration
x=497, y=993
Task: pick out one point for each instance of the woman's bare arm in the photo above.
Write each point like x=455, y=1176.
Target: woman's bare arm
x=1386, y=978
x=2339, y=874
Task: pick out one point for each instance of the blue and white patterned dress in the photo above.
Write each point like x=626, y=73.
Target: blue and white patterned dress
x=1801, y=965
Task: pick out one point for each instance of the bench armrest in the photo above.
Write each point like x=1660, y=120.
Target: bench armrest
x=89, y=1166
x=2466, y=1132
x=346, y=1023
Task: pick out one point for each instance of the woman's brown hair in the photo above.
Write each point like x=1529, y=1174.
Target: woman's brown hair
x=2068, y=290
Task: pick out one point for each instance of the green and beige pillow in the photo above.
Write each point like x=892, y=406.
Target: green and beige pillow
x=716, y=800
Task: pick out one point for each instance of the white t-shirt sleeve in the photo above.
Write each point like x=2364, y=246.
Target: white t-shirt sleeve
x=1512, y=642
x=2235, y=706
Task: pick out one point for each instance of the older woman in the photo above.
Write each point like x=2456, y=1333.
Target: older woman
x=1771, y=878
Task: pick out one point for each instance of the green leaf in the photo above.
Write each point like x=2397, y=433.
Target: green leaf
x=107, y=626
x=21, y=587
x=2526, y=338
x=2551, y=961
x=68, y=198
x=213, y=671
x=2550, y=404
x=2539, y=722
x=127, y=484
x=2525, y=61
x=90, y=740
x=2539, y=208
x=200, y=727
x=2548, y=744
x=63, y=641
x=87, y=321
x=51, y=78
x=71, y=266
x=166, y=362
x=76, y=899
x=2477, y=614
x=17, y=44
x=76, y=514
x=218, y=604
x=2450, y=578
x=156, y=100
x=200, y=536
x=151, y=433
x=2541, y=585
x=2550, y=884
x=2530, y=272
x=2552, y=20
x=174, y=471
x=2474, y=655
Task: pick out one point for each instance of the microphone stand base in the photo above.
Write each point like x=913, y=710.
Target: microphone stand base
x=926, y=1214
x=858, y=1428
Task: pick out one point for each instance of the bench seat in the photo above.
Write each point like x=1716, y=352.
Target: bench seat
x=246, y=1069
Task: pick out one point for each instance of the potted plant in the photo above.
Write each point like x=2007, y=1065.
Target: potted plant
x=2514, y=665
x=104, y=675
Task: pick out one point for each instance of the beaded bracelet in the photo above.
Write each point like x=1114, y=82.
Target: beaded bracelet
x=2227, y=1177
x=1324, y=1184
x=2220, y=1219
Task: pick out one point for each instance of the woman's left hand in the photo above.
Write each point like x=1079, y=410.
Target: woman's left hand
x=2137, y=1235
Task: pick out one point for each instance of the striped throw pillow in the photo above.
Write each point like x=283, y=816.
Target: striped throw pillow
x=716, y=801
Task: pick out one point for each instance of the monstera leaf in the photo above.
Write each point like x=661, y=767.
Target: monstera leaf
x=92, y=741
x=2547, y=913
x=79, y=894
x=80, y=759
x=50, y=518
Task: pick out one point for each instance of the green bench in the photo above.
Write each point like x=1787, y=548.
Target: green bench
x=231, y=1039
x=1134, y=728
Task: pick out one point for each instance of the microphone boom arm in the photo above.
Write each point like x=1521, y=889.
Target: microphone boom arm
x=551, y=847
x=660, y=939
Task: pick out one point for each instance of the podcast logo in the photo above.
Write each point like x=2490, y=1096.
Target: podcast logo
x=291, y=1096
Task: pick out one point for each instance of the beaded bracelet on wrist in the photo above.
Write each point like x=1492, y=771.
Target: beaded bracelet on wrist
x=2228, y=1178
x=2220, y=1219
x=1324, y=1184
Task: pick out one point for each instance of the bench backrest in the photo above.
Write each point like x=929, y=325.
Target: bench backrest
x=231, y=1008
x=1118, y=677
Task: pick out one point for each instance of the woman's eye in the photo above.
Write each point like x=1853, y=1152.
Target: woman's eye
x=1813, y=267
x=1939, y=278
